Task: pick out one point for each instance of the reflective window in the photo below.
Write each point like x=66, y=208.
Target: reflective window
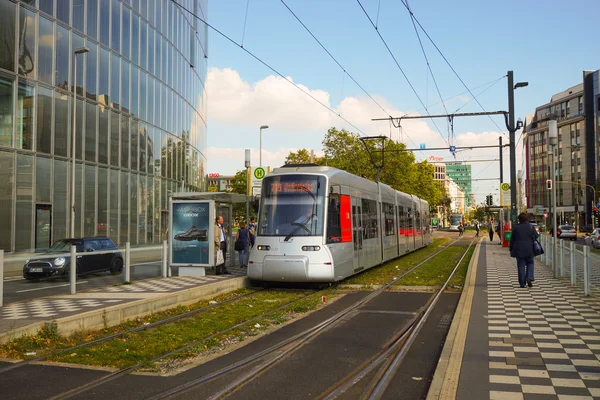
x=102, y=226
x=61, y=200
x=115, y=139
x=47, y=6
x=43, y=181
x=124, y=141
x=103, y=76
x=125, y=34
x=135, y=38
x=124, y=203
x=78, y=43
x=44, y=120
x=149, y=210
x=90, y=131
x=143, y=96
x=134, y=91
x=79, y=117
x=103, y=135
x=114, y=206
x=141, y=212
x=92, y=18
x=89, y=209
x=24, y=208
x=61, y=124
x=144, y=44
x=6, y=110
x=46, y=51
x=134, y=144
x=151, y=50
x=27, y=60
x=150, y=107
x=25, y=121
x=79, y=14
x=63, y=10
x=91, y=69
x=6, y=200
x=143, y=147
x=115, y=76
x=133, y=208
x=7, y=33
x=115, y=37
x=105, y=22
x=62, y=57
x=125, y=67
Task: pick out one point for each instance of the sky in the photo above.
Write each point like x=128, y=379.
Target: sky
x=546, y=43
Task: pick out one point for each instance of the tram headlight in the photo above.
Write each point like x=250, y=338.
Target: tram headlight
x=311, y=248
x=263, y=247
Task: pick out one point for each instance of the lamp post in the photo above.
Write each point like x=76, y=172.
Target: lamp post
x=247, y=165
x=553, y=141
x=260, y=155
x=513, y=156
x=81, y=50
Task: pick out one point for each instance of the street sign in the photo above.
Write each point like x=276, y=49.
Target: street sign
x=259, y=173
x=422, y=146
x=505, y=186
x=540, y=210
x=452, y=149
x=505, y=194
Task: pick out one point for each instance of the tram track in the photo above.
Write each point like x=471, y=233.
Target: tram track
x=286, y=347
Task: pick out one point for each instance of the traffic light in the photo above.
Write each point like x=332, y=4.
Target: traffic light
x=489, y=200
x=548, y=184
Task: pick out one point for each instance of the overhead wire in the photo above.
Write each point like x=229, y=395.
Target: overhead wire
x=450, y=65
x=400, y=68
x=266, y=65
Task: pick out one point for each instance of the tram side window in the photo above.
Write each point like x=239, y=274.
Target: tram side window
x=417, y=221
x=409, y=221
x=401, y=221
x=334, y=230
x=388, y=217
x=370, y=225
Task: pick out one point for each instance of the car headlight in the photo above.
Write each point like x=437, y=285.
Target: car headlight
x=59, y=261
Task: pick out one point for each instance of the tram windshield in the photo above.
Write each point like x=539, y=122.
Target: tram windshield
x=292, y=205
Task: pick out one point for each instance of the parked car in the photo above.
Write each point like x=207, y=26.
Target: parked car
x=593, y=239
x=566, y=232
x=57, y=260
x=586, y=229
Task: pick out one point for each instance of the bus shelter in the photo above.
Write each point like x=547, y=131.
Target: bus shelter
x=192, y=219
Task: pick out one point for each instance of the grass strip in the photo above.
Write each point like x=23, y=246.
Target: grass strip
x=133, y=348
x=436, y=271
x=386, y=272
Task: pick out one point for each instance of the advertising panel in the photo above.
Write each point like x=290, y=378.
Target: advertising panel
x=190, y=235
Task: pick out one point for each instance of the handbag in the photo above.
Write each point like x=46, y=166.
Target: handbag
x=220, y=259
x=538, y=250
x=238, y=245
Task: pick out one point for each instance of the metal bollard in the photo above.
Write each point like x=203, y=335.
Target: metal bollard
x=546, y=252
x=562, y=258
x=586, y=271
x=73, y=270
x=127, y=262
x=573, y=267
x=164, y=259
x=1, y=277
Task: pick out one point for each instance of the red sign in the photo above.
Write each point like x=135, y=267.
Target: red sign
x=214, y=175
x=434, y=158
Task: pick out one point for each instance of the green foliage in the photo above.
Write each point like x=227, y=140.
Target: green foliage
x=238, y=185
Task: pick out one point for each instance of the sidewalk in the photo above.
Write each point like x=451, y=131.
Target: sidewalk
x=111, y=305
x=508, y=342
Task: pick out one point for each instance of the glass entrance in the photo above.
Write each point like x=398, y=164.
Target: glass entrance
x=43, y=226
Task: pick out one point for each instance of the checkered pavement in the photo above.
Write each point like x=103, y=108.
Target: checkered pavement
x=52, y=307
x=162, y=284
x=544, y=341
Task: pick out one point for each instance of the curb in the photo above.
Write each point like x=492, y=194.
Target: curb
x=117, y=314
x=447, y=373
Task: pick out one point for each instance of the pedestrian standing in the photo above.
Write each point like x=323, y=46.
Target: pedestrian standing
x=521, y=248
x=221, y=244
x=243, y=237
x=460, y=229
x=252, y=231
x=490, y=228
x=497, y=229
x=477, y=229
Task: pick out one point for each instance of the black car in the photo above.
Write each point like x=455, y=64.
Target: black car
x=57, y=260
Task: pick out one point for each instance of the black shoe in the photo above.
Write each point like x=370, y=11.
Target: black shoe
x=529, y=283
x=226, y=273
x=522, y=286
x=192, y=234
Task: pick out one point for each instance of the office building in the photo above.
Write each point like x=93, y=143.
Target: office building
x=460, y=173
x=140, y=117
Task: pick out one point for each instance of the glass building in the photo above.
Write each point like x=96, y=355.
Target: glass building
x=140, y=117
x=461, y=174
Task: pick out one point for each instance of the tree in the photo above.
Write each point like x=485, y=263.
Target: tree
x=302, y=156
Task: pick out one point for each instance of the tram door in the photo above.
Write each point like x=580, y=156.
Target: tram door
x=357, y=231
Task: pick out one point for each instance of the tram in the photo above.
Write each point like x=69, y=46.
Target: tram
x=455, y=221
x=322, y=224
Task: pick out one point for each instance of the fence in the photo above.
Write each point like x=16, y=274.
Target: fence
x=574, y=262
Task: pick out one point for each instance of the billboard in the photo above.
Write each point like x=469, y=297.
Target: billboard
x=191, y=231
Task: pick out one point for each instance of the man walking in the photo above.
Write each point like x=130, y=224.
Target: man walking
x=221, y=244
x=521, y=248
x=477, y=229
x=490, y=228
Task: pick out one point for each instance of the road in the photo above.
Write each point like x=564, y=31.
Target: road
x=19, y=289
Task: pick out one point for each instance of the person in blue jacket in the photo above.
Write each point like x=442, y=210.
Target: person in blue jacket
x=243, y=236
x=521, y=248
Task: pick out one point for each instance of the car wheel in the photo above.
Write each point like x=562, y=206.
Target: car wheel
x=116, y=267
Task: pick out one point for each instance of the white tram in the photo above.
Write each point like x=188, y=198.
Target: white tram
x=322, y=224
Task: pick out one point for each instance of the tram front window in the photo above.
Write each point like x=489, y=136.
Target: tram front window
x=292, y=205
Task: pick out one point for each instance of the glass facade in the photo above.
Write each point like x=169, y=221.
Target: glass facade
x=140, y=117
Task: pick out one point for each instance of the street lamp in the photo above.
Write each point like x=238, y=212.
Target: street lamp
x=81, y=50
x=260, y=155
x=513, y=156
x=552, y=142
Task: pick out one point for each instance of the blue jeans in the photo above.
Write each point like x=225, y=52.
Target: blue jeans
x=525, y=269
x=244, y=256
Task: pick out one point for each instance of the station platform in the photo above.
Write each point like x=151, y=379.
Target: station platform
x=508, y=342
x=107, y=306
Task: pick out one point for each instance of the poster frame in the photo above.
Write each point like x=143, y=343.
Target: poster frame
x=211, y=232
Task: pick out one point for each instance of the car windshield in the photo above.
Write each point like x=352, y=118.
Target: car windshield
x=292, y=205
x=63, y=245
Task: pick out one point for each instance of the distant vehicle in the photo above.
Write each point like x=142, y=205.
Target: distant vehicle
x=455, y=221
x=566, y=232
x=537, y=227
x=56, y=261
x=586, y=229
x=593, y=239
